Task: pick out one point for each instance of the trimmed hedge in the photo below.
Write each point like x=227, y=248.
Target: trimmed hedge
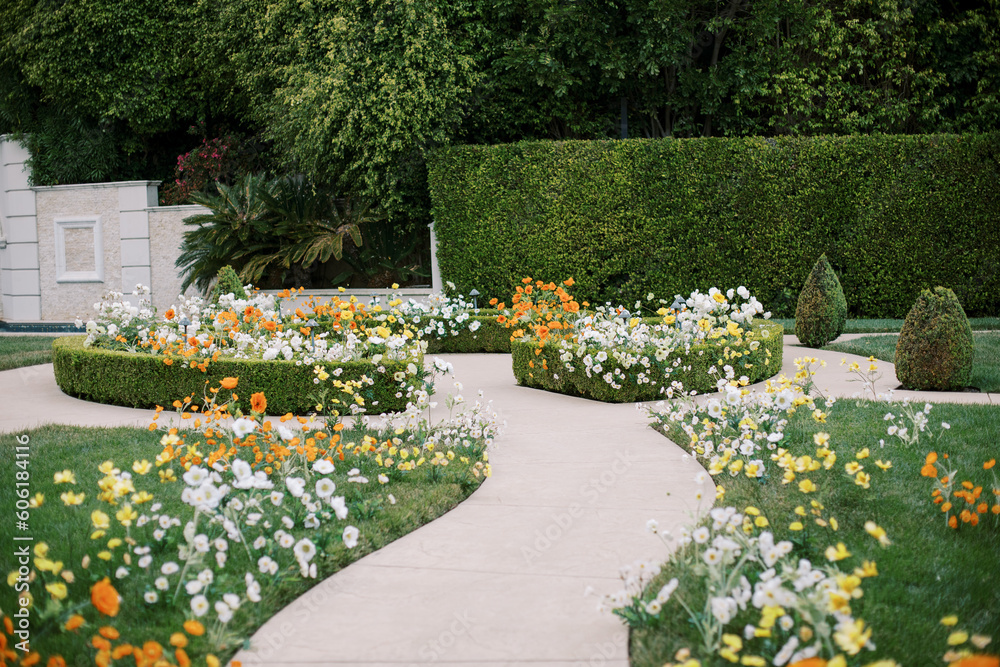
x=144, y=381
x=491, y=336
x=693, y=371
x=894, y=214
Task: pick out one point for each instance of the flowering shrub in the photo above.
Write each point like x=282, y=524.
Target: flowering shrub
x=232, y=505
x=751, y=598
x=609, y=354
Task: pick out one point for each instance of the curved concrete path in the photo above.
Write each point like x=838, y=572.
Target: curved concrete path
x=501, y=579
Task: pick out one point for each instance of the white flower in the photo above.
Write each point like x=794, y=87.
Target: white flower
x=161, y=583
x=220, y=559
x=304, y=550
x=150, y=597
x=170, y=567
x=668, y=589
x=206, y=576
x=339, y=507
x=323, y=467
x=285, y=432
x=296, y=486
x=199, y=605
x=286, y=540
x=195, y=476
x=382, y=479
x=724, y=609
x=701, y=535
x=232, y=600
x=243, y=427
x=325, y=487
x=350, y=537
x=712, y=556
x=201, y=544
x=277, y=497
x=121, y=572
x=244, y=475
x=223, y=611
x=145, y=561
x=193, y=587
x=259, y=542
x=253, y=589
x=264, y=564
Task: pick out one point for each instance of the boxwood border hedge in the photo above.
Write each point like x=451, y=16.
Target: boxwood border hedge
x=692, y=372
x=143, y=381
x=894, y=214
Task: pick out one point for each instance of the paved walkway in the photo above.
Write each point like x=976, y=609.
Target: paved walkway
x=499, y=580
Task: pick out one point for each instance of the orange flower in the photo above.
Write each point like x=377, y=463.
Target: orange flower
x=258, y=403
x=100, y=643
x=269, y=325
x=167, y=361
x=74, y=622
x=178, y=639
x=181, y=656
x=953, y=521
x=122, y=651
x=8, y=625
x=229, y=383
x=109, y=632
x=152, y=650
x=977, y=661
x=989, y=464
x=32, y=658
x=105, y=598
x=809, y=662
x=194, y=628
x=929, y=470
x=56, y=661
x=569, y=282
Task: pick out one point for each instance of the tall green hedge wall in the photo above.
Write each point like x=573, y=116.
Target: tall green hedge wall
x=894, y=215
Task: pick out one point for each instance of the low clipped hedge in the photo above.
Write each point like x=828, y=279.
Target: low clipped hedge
x=491, y=336
x=633, y=216
x=143, y=381
x=758, y=365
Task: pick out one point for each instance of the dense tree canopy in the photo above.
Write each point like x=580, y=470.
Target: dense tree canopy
x=351, y=92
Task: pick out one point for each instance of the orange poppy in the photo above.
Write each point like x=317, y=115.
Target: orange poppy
x=809, y=662
x=229, y=383
x=74, y=622
x=169, y=314
x=194, y=628
x=989, y=464
x=258, y=403
x=56, y=661
x=105, y=598
x=977, y=661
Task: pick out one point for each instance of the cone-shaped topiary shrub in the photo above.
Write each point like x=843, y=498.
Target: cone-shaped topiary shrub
x=227, y=281
x=821, y=313
x=935, y=347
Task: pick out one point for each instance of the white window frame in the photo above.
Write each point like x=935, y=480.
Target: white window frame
x=85, y=222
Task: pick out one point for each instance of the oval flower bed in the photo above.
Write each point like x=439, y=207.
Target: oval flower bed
x=132, y=357
x=609, y=355
x=172, y=547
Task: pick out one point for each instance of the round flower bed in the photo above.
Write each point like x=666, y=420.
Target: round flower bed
x=142, y=380
x=698, y=344
x=131, y=356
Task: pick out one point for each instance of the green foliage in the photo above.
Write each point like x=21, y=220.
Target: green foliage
x=821, y=313
x=227, y=282
x=693, y=370
x=144, y=381
x=629, y=217
x=491, y=336
x=935, y=348
x=270, y=231
x=390, y=254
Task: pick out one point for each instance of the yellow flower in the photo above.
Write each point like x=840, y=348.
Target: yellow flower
x=806, y=486
x=883, y=465
x=142, y=497
x=867, y=569
x=839, y=552
x=734, y=642
x=46, y=565
x=65, y=477
x=108, y=468
x=167, y=476
x=949, y=620
x=795, y=525
x=36, y=500
x=853, y=468
x=863, y=454
x=851, y=637
x=41, y=549
x=114, y=543
x=863, y=480
x=100, y=519
x=70, y=498
x=819, y=416
x=760, y=522
x=142, y=467
x=877, y=532
x=821, y=439
x=104, y=555
x=753, y=661
x=752, y=511
x=126, y=515
x=958, y=637
x=57, y=589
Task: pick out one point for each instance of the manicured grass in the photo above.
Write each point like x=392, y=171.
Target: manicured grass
x=421, y=496
x=893, y=326
x=930, y=571
x=18, y=351
x=985, y=365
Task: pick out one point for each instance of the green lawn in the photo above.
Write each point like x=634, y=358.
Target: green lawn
x=893, y=326
x=18, y=351
x=421, y=496
x=929, y=572
x=985, y=367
